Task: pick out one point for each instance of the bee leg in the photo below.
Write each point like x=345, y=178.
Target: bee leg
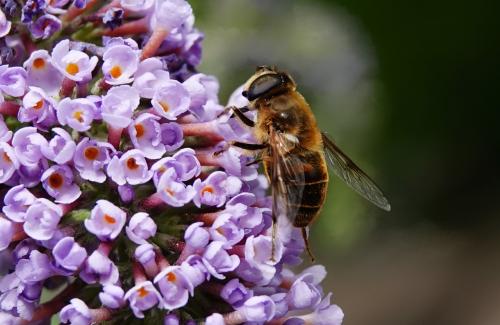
x=239, y=113
x=254, y=162
x=249, y=146
x=306, y=242
x=242, y=145
x=243, y=118
x=273, y=238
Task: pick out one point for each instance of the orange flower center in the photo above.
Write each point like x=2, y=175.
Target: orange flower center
x=169, y=192
x=38, y=104
x=165, y=106
x=171, y=277
x=56, y=180
x=72, y=69
x=116, y=71
x=39, y=63
x=78, y=115
x=6, y=157
x=109, y=219
x=142, y=292
x=132, y=164
x=139, y=129
x=207, y=189
x=91, y=153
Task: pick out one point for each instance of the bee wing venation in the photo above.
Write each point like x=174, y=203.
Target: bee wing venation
x=287, y=177
x=352, y=175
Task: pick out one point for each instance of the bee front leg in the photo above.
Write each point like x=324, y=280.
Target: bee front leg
x=239, y=113
x=242, y=145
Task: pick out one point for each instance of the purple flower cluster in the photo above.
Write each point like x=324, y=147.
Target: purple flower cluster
x=119, y=186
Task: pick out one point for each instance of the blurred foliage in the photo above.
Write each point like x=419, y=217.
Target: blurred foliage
x=410, y=91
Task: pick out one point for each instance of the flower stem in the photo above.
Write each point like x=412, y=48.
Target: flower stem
x=131, y=28
x=9, y=108
x=154, y=42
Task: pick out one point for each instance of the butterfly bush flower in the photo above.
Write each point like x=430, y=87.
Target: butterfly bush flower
x=121, y=192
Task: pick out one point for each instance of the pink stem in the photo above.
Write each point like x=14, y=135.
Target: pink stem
x=105, y=248
x=67, y=87
x=204, y=129
x=154, y=43
x=207, y=218
x=238, y=250
x=74, y=12
x=186, y=252
x=131, y=28
x=153, y=201
x=207, y=159
x=112, y=4
x=138, y=274
x=114, y=135
x=161, y=260
x=9, y=108
x=100, y=314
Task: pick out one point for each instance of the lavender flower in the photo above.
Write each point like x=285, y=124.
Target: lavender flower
x=130, y=168
x=90, y=159
x=171, y=99
x=140, y=228
x=58, y=182
x=106, y=220
x=45, y=26
x=77, y=113
x=68, y=255
x=98, y=135
x=120, y=64
x=119, y=105
x=77, y=312
x=143, y=297
x=41, y=219
x=74, y=65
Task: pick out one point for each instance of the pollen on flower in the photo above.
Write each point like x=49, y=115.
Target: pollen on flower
x=116, y=71
x=142, y=292
x=165, y=106
x=72, y=68
x=171, y=277
x=207, y=189
x=6, y=158
x=139, y=129
x=91, y=153
x=39, y=63
x=169, y=192
x=78, y=115
x=109, y=219
x=132, y=164
x=56, y=180
x=38, y=104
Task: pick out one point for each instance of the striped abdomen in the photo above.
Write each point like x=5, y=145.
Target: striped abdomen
x=313, y=186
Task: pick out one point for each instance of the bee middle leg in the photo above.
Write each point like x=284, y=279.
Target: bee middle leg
x=242, y=145
x=239, y=113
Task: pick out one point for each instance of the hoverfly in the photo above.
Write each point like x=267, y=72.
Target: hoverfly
x=294, y=151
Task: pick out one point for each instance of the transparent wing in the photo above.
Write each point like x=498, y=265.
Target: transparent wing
x=352, y=175
x=287, y=176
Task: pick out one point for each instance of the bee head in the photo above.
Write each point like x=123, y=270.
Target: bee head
x=267, y=82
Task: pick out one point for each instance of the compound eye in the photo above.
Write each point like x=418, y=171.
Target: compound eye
x=262, y=85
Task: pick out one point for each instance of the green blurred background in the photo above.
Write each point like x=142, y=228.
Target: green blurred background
x=410, y=91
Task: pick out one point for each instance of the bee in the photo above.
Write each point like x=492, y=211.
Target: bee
x=295, y=152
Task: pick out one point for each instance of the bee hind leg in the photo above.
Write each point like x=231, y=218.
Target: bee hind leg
x=306, y=242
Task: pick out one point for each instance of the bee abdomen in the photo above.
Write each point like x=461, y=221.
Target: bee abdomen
x=314, y=190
